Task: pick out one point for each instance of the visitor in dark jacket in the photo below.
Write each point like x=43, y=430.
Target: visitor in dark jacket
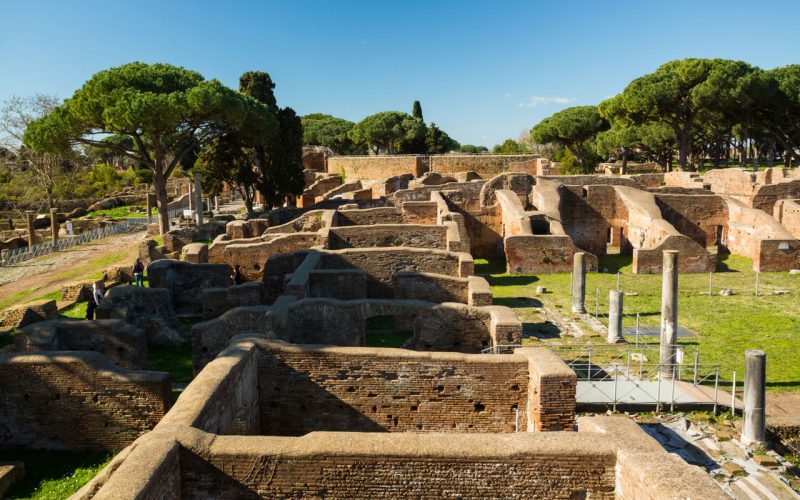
x=237, y=277
x=138, y=272
x=98, y=290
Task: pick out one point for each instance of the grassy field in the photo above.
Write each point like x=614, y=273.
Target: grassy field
x=177, y=361
x=54, y=474
x=123, y=212
x=725, y=326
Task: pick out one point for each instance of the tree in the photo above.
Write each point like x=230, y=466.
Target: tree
x=438, y=142
x=416, y=111
x=16, y=116
x=509, y=147
x=618, y=141
x=574, y=128
x=779, y=112
x=278, y=157
x=387, y=131
x=168, y=111
x=472, y=149
x=326, y=130
x=224, y=160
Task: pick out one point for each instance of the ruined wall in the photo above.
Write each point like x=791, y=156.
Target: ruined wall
x=123, y=344
x=215, y=301
x=700, y=217
x=388, y=235
x=368, y=217
x=70, y=400
x=304, y=389
x=485, y=165
x=787, y=212
x=185, y=281
x=756, y=235
x=251, y=257
x=354, y=168
x=433, y=287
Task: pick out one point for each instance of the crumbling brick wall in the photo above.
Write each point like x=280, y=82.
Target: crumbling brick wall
x=304, y=389
x=485, y=165
x=354, y=168
x=70, y=401
x=388, y=235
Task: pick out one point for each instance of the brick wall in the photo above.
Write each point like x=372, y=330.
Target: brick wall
x=696, y=216
x=185, y=281
x=304, y=389
x=72, y=401
x=485, y=165
x=252, y=257
x=787, y=212
x=388, y=235
x=375, y=167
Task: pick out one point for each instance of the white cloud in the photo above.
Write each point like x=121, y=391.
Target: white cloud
x=538, y=100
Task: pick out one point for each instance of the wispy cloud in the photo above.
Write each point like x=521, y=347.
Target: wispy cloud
x=538, y=100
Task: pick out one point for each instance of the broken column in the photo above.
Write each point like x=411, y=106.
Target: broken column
x=216, y=203
x=669, y=313
x=615, y=317
x=754, y=428
x=578, y=282
x=54, y=225
x=198, y=200
x=31, y=231
x=191, y=195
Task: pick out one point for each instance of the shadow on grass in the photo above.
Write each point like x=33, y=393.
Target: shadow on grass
x=175, y=360
x=516, y=302
x=511, y=280
x=54, y=474
x=722, y=264
x=495, y=265
x=615, y=263
x=541, y=331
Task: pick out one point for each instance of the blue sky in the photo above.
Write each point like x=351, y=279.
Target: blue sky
x=483, y=71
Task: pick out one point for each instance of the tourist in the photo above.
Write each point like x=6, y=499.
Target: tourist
x=237, y=277
x=68, y=226
x=10, y=224
x=98, y=290
x=138, y=272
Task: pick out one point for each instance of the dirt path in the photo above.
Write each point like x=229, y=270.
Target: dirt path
x=32, y=279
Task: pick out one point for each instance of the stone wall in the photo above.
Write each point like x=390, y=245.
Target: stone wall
x=24, y=314
x=148, y=308
x=433, y=287
x=354, y=168
x=251, y=257
x=372, y=389
x=185, y=281
x=72, y=401
x=485, y=165
x=700, y=217
x=388, y=235
x=787, y=212
x=754, y=234
x=367, y=217
x=215, y=301
x=123, y=344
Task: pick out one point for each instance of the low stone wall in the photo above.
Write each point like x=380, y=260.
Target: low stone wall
x=388, y=235
x=251, y=257
x=216, y=301
x=433, y=287
x=354, y=168
x=24, y=314
x=73, y=401
x=123, y=344
x=176, y=239
x=185, y=281
x=756, y=235
x=787, y=212
x=368, y=217
x=148, y=308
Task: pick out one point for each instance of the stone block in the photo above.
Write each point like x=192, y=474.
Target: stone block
x=10, y=473
x=148, y=308
x=195, y=253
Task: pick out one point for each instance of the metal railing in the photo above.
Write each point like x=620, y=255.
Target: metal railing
x=12, y=257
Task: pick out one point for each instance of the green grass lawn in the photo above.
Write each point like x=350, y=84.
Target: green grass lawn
x=725, y=326
x=123, y=212
x=177, y=361
x=54, y=474
x=382, y=332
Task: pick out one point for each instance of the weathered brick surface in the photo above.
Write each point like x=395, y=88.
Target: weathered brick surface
x=388, y=235
x=216, y=301
x=148, y=308
x=68, y=401
x=375, y=167
x=185, y=281
x=24, y=314
x=303, y=389
x=251, y=257
x=485, y=165
x=121, y=343
x=787, y=212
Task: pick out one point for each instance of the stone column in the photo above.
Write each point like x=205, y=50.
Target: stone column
x=615, y=317
x=191, y=196
x=669, y=313
x=198, y=200
x=578, y=282
x=31, y=231
x=216, y=203
x=150, y=203
x=54, y=225
x=754, y=428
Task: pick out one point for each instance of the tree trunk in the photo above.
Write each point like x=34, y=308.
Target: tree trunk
x=162, y=202
x=624, y=170
x=683, y=150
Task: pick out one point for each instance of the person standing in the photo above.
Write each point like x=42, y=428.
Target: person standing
x=98, y=290
x=237, y=277
x=68, y=227
x=138, y=272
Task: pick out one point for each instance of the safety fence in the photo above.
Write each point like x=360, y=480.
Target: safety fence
x=13, y=257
